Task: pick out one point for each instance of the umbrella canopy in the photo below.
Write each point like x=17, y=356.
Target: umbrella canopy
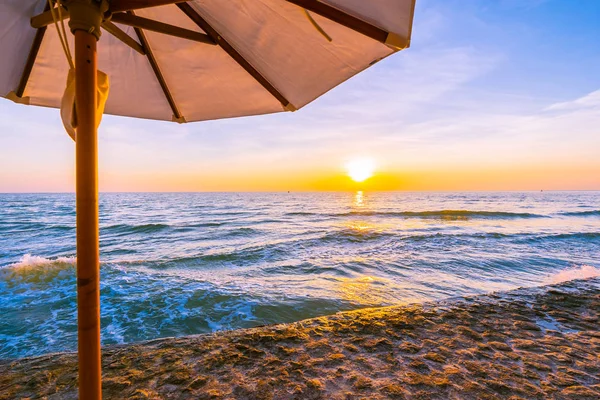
x=178, y=61
x=258, y=56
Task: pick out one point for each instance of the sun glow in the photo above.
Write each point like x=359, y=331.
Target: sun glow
x=360, y=169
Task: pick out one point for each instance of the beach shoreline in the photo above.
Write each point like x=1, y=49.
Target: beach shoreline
x=541, y=342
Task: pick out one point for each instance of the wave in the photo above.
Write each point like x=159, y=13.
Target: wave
x=352, y=235
x=202, y=225
x=591, y=213
x=578, y=235
x=569, y=274
x=300, y=213
x=242, y=232
x=61, y=228
x=441, y=214
x=469, y=213
x=518, y=237
x=145, y=228
x=36, y=269
x=29, y=261
x=439, y=235
x=234, y=257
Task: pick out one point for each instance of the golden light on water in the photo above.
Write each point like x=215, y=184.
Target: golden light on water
x=359, y=199
x=360, y=169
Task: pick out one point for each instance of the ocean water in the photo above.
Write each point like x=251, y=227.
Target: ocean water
x=187, y=263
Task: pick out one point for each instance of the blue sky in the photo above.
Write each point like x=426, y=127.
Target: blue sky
x=491, y=95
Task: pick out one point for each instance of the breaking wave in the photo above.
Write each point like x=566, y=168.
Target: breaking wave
x=37, y=270
x=569, y=274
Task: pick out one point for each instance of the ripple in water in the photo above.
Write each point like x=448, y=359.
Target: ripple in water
x=180, y=264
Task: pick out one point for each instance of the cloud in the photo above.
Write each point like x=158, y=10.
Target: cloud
x=568, y=135
x=589, y=101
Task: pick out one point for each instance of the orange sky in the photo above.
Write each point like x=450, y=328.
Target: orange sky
x=517, y=178
x=585, y=176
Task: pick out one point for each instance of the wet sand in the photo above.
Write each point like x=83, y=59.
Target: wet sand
x=529, y=343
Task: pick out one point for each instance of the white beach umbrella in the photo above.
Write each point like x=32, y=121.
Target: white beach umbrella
x=189, y=61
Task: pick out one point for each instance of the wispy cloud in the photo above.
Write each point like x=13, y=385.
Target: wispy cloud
x=590, y=101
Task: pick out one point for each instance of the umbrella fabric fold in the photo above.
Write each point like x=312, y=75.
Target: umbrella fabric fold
x=68, y=112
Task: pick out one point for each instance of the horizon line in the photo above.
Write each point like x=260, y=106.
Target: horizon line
x=321, y=191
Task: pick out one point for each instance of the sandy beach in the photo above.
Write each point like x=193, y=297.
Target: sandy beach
x=527, y=343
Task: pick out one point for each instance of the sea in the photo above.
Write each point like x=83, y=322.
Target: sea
x=176, y=264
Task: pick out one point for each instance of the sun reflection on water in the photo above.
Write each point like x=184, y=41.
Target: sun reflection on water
x=359, y=199
x=364, y=290
x=360, y=226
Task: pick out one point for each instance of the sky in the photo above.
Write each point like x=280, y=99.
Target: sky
x=492, y=95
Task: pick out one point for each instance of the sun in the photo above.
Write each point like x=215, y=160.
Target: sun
x=360, y=169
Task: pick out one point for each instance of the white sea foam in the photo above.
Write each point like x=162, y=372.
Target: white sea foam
x=38, y=270
x=581, y=272
x=34, y=261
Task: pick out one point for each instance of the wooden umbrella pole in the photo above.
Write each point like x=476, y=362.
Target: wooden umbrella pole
x=88, y=254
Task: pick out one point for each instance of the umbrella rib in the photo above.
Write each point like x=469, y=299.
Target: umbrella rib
x=130, y=5
x=46, y=18
x=352, y=22
x=123, y=37
x=31, y=57
x=159, y=76
x=160, y=27
x=233, y=53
